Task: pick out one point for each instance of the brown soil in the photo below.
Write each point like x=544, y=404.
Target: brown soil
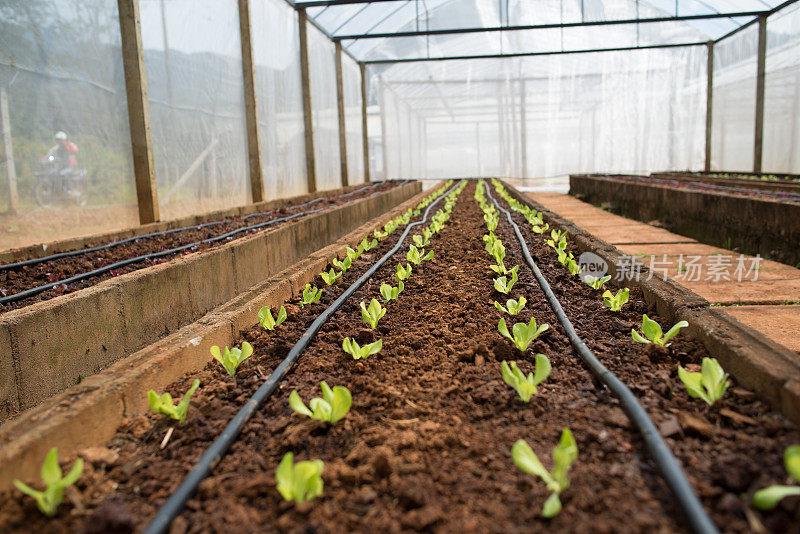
x=16, y=280
x=426, y=446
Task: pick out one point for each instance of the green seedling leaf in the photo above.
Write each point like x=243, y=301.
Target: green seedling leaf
x=163, y=403
x=373, y=313
x=310, y=295
x=709, y=384
x=299, y=482
x=573, y=267
x=525, y=386
x=503, y=284
x=523, y=334
x=334, y=404
x=331, y=276
x=265, y=317
x=343, y=265
x=512, y=307
x=652, y=333
x=357, y=352
x=417, y=256
x=231, y=358
x=378, y=234
x=615, y=302
x=367, y=245
x=596, y=283
x=768, y=498
x=564, y=455
x=353, y=254
x=391, y=293
x=421, y=241
x=403, y=272
x=48, y=500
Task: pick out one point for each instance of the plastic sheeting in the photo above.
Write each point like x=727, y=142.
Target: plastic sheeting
x=276, y=53
x=632, y=111
x=61, y=70
x=351, y=85
x=325, y=111
x=192, y=55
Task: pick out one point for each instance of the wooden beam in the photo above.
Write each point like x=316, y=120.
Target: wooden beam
x=382, y=102
x=340, y=107
x=8, y=153
x=311, y=166
x=138, y=110
x=250, y=104
x=364, y=132
x=761, y=64
x=709, y=102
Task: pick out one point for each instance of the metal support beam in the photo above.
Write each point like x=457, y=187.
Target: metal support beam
x=138, y=110
x=340, y=108
x=761, y=64
x=364, y=131
x=709, y=102
x=8, y=153
x=250, y=104
x=311, y=166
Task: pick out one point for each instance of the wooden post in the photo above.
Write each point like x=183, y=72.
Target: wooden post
x=138, y=110
x=364, y=132
x=8, y=153
x=762, y=53
x=311, y=166
x=709, y=102
x=250, y=103
x=340, y=107
x=523, y=128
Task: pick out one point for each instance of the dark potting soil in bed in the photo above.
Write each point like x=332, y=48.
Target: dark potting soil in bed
x=426, y=445
x=16, y=280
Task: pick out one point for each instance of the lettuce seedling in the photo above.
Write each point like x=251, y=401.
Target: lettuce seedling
x=615, y=302
x=498, y=252
x=417, y=256
x=525, y=386
x=367, y=245
x=596, y=283
x=48, y=500
x=573, y=267
x=565, y=257
x=331, y=276
x=310, y=295
x=503, y=284
x=299, y=482
x=556, y=235
x=512, y=306
x=524, y=334
x=372, y=313
x=539, y=228
x=357, y=352
x=768, y=498
x=653, y=333
x=342, y=265
x=163, y=403
x=231, y=358
x=563, y=457
x=265, y=317
x=709, y=384
x=353, y=254
x=378, y=234
x=421, y=241
x=490, y=240
x=403, y=272
x=391, y=293
x=334, y=404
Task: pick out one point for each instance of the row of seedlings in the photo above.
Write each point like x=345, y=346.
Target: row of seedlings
x=709, y=384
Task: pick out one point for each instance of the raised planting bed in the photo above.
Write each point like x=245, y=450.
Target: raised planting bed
x=427, y=442
x=48, y=346
x=745, y=223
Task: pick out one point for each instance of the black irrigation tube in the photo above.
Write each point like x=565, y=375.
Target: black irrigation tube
x=177, y=501
x=670, y=469
x=154, y=255
x=104, y=246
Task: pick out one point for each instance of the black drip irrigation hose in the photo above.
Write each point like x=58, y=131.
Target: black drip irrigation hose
x=154, y=255
x=104, y=246
x=177, y=501
x=670, y=469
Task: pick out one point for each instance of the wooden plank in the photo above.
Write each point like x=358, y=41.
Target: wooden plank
x=250, y=103
x=761, y=64
x=311, y=166
x=709, y=102
x=364, y=131
x=138, y=110
x=340, y=108
x=8, y=153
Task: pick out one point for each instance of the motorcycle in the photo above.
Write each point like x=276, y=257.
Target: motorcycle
x=55, y=183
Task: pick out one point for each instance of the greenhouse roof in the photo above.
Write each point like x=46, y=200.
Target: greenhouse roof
x=392, y=30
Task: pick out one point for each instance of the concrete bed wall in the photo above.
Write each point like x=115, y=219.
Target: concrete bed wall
x=753, y=226
x=51, y=345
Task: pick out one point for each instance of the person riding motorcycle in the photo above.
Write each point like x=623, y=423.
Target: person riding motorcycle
x=63, y=153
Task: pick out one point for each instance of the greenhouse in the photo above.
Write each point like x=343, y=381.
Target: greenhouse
x=399, y=266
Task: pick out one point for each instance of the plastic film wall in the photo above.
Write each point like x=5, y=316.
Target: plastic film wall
x=325, y=112
x=351, y=85
x=61, y=70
